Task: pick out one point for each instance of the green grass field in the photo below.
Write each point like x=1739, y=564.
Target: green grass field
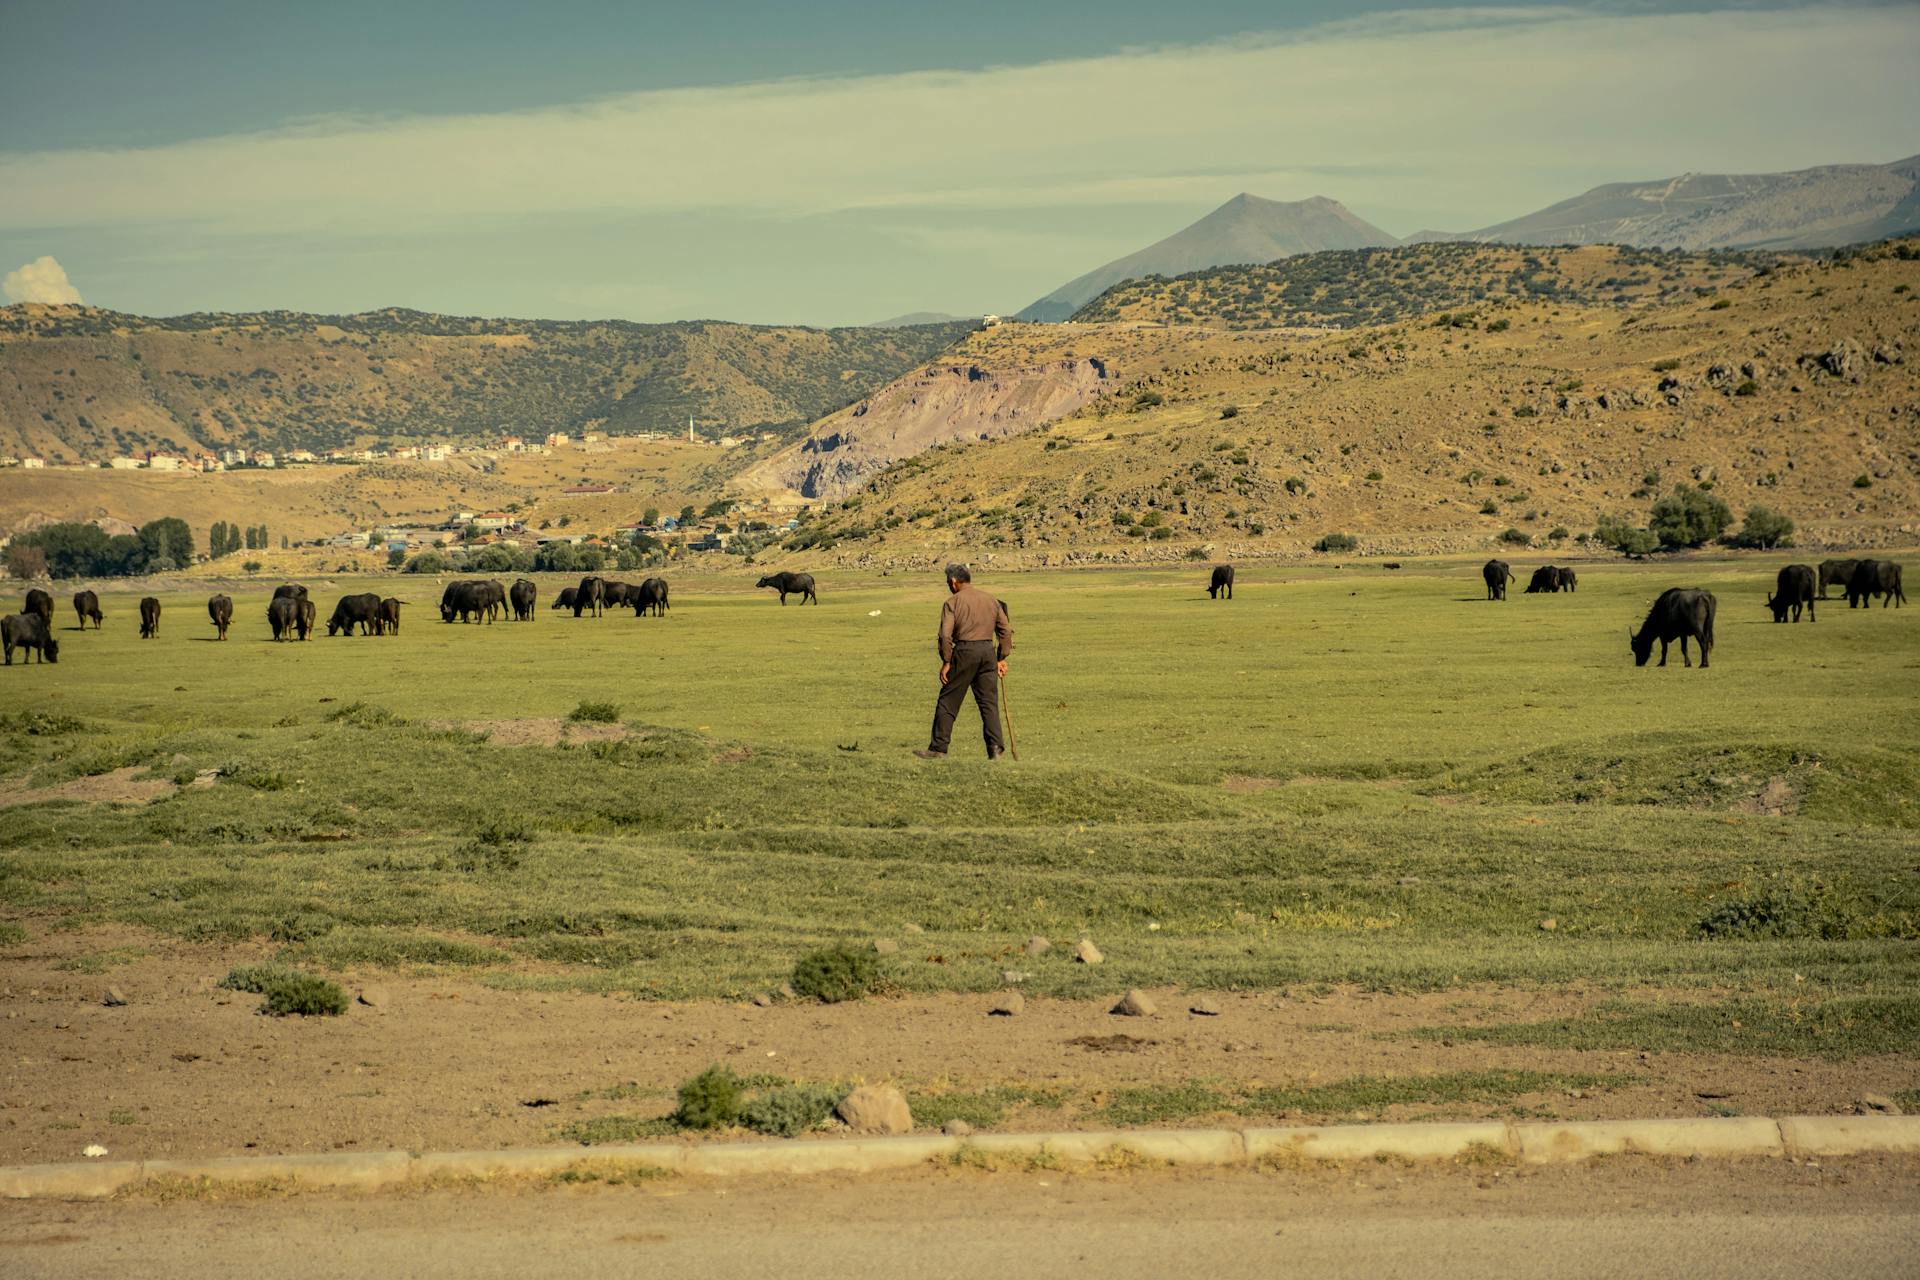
x=1342, y=776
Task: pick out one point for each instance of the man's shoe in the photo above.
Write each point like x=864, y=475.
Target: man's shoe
x=931, y=755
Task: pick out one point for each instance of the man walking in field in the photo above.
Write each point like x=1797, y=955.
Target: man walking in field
x=974, y=641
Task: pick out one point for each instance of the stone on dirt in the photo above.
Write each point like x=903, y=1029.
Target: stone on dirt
x=1036, y=945
x=1205, y=1008
x=885, y=946
x=1087, y=953
x=1549, y=924
x=1135, y=1004
x=1010, y=1005
x=113, y=999
x=876, y=1108
x=1012, y=976
x=957, y=1129
x=1877, y=1104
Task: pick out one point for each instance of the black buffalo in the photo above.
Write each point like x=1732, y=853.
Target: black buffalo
x=1222, y=580
x=1875, y=578
x=220, y=610
x=1792, y=591
x=283, y=615
x=87, y=605
x=1681, y=613
x=591, y=594
x=361, y=611
x=305, y=612
x=39, y=602
x=1568, y=580
x=289, y=591
x=565, y=599
x=651, y=594
x=149, y=617
x=618, y=595
x=791, y=584
x=29, y=631
x=1545, y=578
x=390, y=615
x=1498, y=573
x=472, y=600
x=521, y=595
x=1836, y=573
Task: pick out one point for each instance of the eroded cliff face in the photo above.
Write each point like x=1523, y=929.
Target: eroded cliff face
x=938, y=405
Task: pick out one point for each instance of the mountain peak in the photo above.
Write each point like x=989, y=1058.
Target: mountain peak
x=1246, y=229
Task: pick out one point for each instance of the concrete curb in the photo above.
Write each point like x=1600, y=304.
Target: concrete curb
x=1533, y=1143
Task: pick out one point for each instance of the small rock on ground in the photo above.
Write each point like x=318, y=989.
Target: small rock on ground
x=1010, y=1005
x=876, y=1108
x=1550, y=924
x=885, y=946
x=911, y=928
x=1036, y=945
x=957, y=1129
x=1087, y=953
x=763, y=1001
x=114, y=998
x=1136, y=1004
x=1205, y=1008
x=1011, y=976
x=1877, y=1104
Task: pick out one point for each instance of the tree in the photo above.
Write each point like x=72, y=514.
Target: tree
x=1622, y=535
x=72, y=549
x=718, y=507
x=167, y=544
x=1763, y=529
x=651, y=518
x=557, y=557
x=1688, y=517
x=25, y=562
x=429, y=562
x=396, y=556
x=686, y=515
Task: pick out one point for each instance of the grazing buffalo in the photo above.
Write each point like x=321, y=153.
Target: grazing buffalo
x=521, y=595
x=149, y=617
x=1550, y=578
x=1792, y=591
x=651, y=594
x=87, y=605
x=361, y=611
x=283, y=615
x=305, y=613
x=472, y=600
x=1567, y=579
x=390, y=615
x=1837, y=573
x=1498, y=573
x=791, y=584
x=1681, y=613
x=289, y=591
x=617, y=595
x=1222, y=580
x=29, y=631
x=39, y=602
x=220, y=609
x=565, y=599
x=591, y=594
x=1875, y=578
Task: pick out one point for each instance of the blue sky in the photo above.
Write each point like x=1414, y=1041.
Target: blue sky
x=836, y=163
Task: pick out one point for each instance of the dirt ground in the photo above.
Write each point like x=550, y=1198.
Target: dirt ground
x=185, y=1068
x=1626, y=1216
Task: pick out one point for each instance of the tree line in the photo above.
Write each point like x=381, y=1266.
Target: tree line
x=76, y=550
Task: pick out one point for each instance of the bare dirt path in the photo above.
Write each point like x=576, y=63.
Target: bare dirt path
x=1617, y=1218
x=187, y=1069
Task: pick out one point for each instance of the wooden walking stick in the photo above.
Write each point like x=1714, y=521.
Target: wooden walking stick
x=1006, y=715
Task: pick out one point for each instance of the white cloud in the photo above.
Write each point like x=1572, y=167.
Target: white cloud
x=42, y=280
x=1457, y=119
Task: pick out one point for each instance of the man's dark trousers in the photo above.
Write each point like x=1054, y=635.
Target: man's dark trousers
x=975, y=665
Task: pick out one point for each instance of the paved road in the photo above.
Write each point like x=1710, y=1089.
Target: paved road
x=1644, y=1219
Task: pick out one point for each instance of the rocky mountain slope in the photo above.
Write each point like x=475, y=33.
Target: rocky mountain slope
x=82, y=383
x=1379, y=286
x=1244, y=229
x=1836, y=204
x=1796, y=387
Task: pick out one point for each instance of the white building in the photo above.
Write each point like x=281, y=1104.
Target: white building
x=123, y=463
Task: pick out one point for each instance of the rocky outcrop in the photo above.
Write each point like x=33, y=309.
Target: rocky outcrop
x=942, y=404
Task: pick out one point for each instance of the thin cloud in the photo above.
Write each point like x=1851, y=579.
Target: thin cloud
x=1467, y=116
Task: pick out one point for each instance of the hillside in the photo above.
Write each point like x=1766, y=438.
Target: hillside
x=1836, y=204
x=321, y=501
x=1798, y=388
x=1379, y=286
x=80, y=383
x=1244, y=229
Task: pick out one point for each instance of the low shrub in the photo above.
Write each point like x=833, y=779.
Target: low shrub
x=710, y=1100
x=786, y=1111
x=1337, y=542
x=836, y=974
x=596, y=713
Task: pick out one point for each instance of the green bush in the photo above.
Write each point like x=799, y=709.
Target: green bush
x=1375, y=475
x=1559, y=533
x=1620, y=534
x=1295, y=485
x=1793, y=906
x=1231, y=411
x=1689, y=517
x=1499, y=326
x=429, y=562
x=1863, y=481
x=836, y=974
x=1747, y=388
x=1148, y=399
x=1489, y=508
x=304, y=995
x=1665, y=366
x=710, y=1100
x=1763, y=529
x=786, y=1111
x=1337, y=542
x=1515, y=538
x=596, y=713
x=1162, y=533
